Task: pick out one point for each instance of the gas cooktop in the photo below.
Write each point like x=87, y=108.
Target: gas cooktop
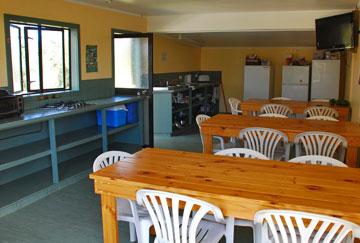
x=70, y=105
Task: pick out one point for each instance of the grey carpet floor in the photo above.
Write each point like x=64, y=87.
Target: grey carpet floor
x=73, y=213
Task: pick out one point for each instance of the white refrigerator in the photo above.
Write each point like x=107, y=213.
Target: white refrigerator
x=325, y=79
x=295, y=82
x=258, y=82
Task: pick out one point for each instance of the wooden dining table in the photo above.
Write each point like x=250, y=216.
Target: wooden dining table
x=238, y=186
x=297, y=106
x=226, y=125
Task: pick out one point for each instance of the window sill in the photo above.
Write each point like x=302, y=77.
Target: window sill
x=53, y=93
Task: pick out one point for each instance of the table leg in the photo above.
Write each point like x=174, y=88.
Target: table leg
x=352, y=156
x=208, y=144
x=109, y=219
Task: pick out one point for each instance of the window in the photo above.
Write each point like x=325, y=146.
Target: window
x=43, y=56
x=131, y=62
x=132, y=56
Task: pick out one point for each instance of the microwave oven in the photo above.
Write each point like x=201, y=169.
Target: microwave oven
x=10, y=105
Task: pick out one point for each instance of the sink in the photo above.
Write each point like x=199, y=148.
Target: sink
x=160, y=88
x=170, y=87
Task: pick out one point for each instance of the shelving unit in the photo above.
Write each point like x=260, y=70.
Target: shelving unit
x=168, y=113
x=68, y=140
x=25, y=190
x=23, y=154
x=181, y=109
x=112, y=130
x=78, y=137
x=55, y=142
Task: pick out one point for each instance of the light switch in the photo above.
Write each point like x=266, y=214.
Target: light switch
x=164, y=56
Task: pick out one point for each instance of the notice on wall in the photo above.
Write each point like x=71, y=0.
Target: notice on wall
x=91, y=59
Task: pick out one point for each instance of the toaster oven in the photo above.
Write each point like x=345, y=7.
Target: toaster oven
x=10, y=105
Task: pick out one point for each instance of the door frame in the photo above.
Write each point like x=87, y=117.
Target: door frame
x=129, y=91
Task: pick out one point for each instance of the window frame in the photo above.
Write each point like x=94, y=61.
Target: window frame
x=20, y=57
x=74, y=52
x=131, y=34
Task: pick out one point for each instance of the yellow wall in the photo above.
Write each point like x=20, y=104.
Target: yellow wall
x=231, y=62
x=180, y=57
x=353, y=89
x=95, y=28
x=352, y=85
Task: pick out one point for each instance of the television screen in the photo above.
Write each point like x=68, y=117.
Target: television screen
x=337, y=32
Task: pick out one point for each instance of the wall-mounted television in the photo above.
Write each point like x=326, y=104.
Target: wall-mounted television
x=337, y=32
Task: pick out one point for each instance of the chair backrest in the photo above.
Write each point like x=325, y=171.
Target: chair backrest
x=234, y=105
x=280, y=98
x=109, y=158
x=164, y=209
x=318, y=160
x=322, y=118
x=242, y=152
x=273, y=115
x=200, y=119
x=320, y=143
x=276, y=109
x=321, y=111
x=262, y=140
x=291, y=226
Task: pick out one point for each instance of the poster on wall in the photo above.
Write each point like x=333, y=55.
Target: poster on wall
x=91, y=59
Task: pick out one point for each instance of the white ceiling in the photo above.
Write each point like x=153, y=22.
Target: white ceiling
x=170, y=7
x=232, y=23
x=249, y=39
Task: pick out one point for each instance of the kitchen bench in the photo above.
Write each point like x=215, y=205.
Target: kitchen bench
x=54, y=143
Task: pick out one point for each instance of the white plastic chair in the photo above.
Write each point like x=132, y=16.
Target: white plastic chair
x=171, y=227
x=242, y=152
x=235, y=110
x=322, y=118
x=280, y=98
x=235, y=106
x=265, y=141
x=318, y=160
x=127, y=210
x=280, y=226
x=108, y=158
x=276, y=109
x=200, y=119
x=273, y=115
x=321, y=111
x=230, y=221
x=320, y=143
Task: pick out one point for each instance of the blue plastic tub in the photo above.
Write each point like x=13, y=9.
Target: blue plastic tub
x=132, y=113
x=115, y=116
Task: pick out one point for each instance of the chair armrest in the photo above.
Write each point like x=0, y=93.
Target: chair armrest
x=357, y=233
x=238, y=112
x=222, y=143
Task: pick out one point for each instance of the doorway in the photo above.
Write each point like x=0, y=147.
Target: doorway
x=133, y=71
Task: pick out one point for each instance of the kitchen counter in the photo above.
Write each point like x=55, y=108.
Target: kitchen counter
x=169, y=113
x=42, y=114
x=63, y=132
x=61, y=144
x=173, y=89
